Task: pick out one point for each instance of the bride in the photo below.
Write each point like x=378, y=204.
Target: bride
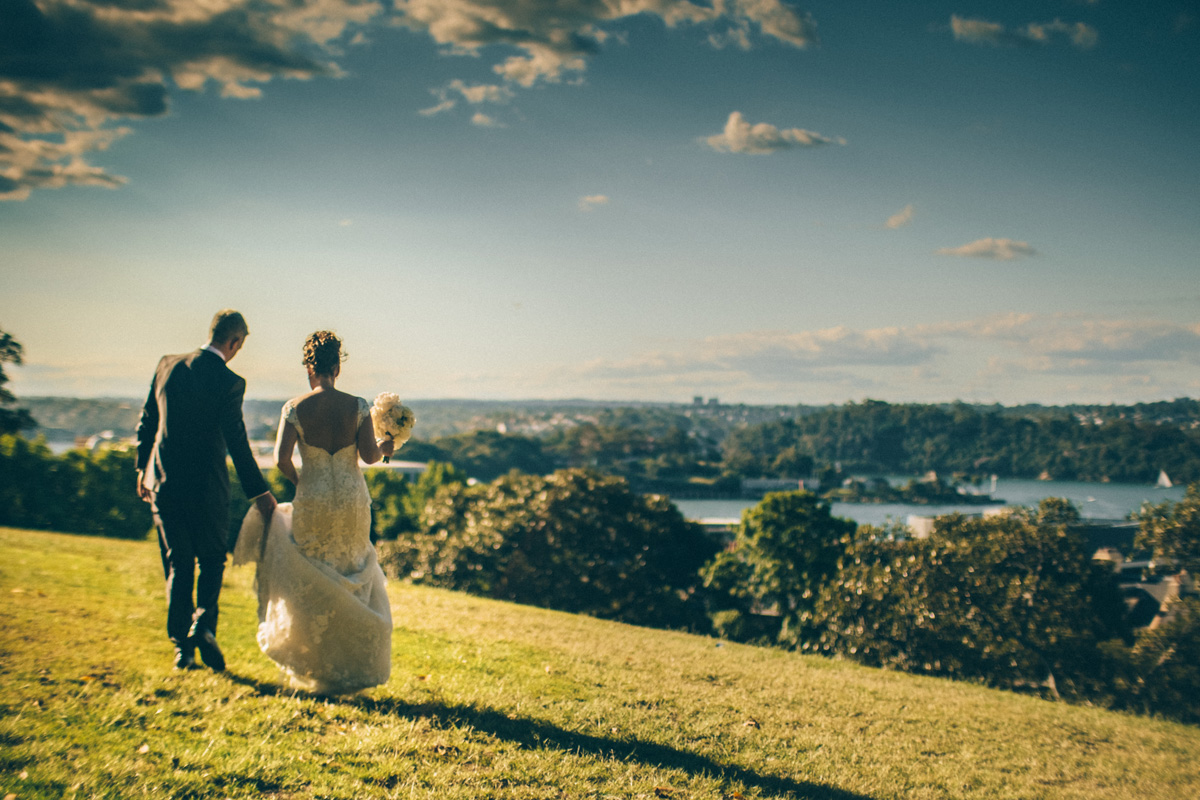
x=323, y=612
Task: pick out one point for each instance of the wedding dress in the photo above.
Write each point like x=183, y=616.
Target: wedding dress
x=323, y=612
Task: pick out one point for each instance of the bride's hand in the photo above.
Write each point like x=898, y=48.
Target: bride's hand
x=387, y=447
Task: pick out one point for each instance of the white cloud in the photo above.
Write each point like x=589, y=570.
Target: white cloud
x=444, y=105
x=473, y=94
x=71, y=69
x=592, y=201
x=763, y=138
x=777, y=356
x=1122, y=342
x=1078, y=339
x=1012, y=357
x=771, y=17
x=902, y=217
x=979, y=31
x=997, y=249
x=84, y=66
x=554, y=38
x=485, y=120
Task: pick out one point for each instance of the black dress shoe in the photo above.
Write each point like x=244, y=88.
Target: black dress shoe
x=206, y=643
x=184, y=658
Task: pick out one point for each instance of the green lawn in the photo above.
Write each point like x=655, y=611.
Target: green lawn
x=495, y=700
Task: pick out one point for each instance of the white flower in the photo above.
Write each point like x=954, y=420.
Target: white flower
x=392, y=419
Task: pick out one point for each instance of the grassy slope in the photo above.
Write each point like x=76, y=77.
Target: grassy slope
x=494, y=700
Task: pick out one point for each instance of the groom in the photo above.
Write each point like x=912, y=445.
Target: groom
x=192, y=416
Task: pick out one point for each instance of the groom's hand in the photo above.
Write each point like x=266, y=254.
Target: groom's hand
x=142, y=491
x=266, y=504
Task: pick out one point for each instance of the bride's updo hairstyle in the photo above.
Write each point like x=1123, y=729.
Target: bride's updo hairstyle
x=323, y=352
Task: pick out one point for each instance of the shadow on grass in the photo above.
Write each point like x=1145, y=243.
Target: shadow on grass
x=537, y=734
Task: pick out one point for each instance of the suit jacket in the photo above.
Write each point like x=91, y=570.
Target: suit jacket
x=192, y=416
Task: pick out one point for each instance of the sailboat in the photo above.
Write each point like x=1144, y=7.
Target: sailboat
x=1164, y=482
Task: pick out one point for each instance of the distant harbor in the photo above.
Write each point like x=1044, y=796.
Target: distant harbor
x=1108, y=501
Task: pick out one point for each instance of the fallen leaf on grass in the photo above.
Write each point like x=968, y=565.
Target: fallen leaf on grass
x=663, y=791
x=144, y=749
x=751, y=723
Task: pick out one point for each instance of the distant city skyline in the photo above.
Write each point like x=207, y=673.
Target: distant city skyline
x=756, y=200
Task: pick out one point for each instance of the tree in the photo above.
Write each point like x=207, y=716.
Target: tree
x=486, y=455
x=786, y=548
x=398, y=503
x=18, y=419
x=1010, y=599
x=575, y=541
x=1171, y=531
x=1160, y=674
x=1129, y=443
x=77, y=492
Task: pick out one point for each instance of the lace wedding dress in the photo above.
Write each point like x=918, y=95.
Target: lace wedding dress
x=323, y=612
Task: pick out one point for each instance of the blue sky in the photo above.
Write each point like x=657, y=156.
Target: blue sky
x=764, y=201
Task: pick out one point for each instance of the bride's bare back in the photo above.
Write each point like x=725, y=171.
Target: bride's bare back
x=329, y=419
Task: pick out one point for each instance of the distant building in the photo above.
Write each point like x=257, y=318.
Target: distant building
x=721, y=529
x=96, y=441
x=264, y=456
x=414, y=468
x=921, y=527
x=757, y=487
x=1151, y=593
x=1115, y=534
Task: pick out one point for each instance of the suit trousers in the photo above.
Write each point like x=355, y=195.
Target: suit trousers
x=191, y=536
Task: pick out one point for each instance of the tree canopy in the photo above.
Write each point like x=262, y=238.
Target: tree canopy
x=575, y=540
x=1008, y=599
x=786, y=548
x=12, y=420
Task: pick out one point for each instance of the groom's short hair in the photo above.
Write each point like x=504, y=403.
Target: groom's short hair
x=227, y=324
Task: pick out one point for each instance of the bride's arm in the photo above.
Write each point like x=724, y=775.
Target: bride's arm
x=285, y=444
x=368, y=448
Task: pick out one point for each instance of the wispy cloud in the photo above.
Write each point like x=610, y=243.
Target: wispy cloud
x=763, y=138
x=483, y=120
x=1013, y=357
x=997, y=249
x=71, y=70
x=448, y=96
x=554, y=40
x=75, y=73
x=902, y=217
x=979, y=31
x=765, y=356
x=592, y=201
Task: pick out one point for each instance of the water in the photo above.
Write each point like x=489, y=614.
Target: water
x=1094, y=501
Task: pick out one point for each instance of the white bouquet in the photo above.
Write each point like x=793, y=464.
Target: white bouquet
x=392, y=419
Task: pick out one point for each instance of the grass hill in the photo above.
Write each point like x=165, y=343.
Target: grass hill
x=494, y=700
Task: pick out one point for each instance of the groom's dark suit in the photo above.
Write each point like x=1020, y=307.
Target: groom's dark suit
x=192, y=416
